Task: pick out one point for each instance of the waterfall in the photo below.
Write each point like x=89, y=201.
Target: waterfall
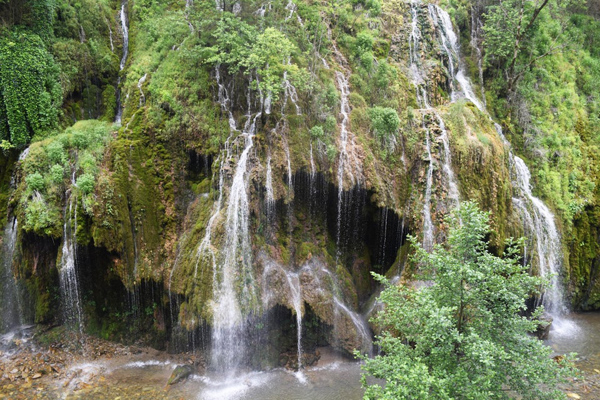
x=69, y=281
x=536, y=217
x=343, y=158
x=125, y=29
x=10, y=309
x=418, y=80
x=270, y=199
x=328, y=286
x=428, y=231
x=448, y=43
x=228, y=346
x=289, y=91
x=206, y=243
x=475, y=27
x=233, y=288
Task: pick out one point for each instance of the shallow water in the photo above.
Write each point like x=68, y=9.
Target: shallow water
x=144, y=375
x=579, y=333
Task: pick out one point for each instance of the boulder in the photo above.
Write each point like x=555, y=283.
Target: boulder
x=180, y=373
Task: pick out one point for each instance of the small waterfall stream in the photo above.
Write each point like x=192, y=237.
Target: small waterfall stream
x=125, y=29
x=269, y=198
x=10, y=309
x=68, y=276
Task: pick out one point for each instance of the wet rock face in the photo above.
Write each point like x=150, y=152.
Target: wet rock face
x=323, y=292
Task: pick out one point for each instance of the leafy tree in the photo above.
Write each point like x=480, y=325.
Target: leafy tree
x=463, y=336
x=510, y=28
x=385, y=123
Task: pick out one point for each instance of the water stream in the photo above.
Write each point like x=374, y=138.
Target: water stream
x=125, y=30
x=68, y=276
x=11, y=309
x=447, y=40
x=233, y=272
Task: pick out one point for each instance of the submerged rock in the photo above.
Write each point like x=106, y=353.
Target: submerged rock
x=180, y=373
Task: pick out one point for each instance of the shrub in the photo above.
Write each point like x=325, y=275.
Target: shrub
x=464, y=336
x=35, y=181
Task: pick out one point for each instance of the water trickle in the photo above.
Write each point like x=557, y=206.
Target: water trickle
x=110, y=36
x=269, y=186
x=428, y=230
x=293, y=296
x=188, y=5
x=291, y=7
x=139, y=85
x=10, y=309
x=125, y=29
x=343, y=158
x=289, y=91
x=476, y=27
x=68, y=276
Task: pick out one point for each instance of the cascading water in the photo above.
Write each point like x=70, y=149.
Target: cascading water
x=10, y=309
x=343, y=158
x=206, y=243
x=228, y=346
x=69, y=281
x=289, y=91
x=139, y=85
x=270, y=199
x=428, y=230
x=125, y=29
x=536, y=217
x=234, y=295
x=419, y=80
x=327, y=284
x=548, y=244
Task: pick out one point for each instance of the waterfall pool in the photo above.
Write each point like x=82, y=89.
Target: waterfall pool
x=578, y=333
x=135, y=374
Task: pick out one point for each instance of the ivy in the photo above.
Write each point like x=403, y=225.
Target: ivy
x=30, y=95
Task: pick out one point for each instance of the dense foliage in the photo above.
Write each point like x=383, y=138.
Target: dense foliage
x=58, y=168
x=30, y=95
x=463, y=335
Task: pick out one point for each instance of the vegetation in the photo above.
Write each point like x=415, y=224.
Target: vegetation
x=464, y=335
x=62, y=166
x=143, y=198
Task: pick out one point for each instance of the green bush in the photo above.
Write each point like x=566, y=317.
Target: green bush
x=317, y=133
x=85, y=183
x=57, y=173
x=384, y=122
x=35, y=181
